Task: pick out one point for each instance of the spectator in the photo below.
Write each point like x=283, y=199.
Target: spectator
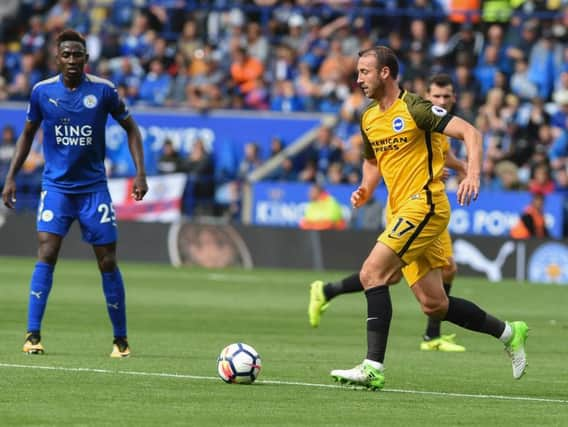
x=325, y=149
x=417, y=62
x=8, y=18
x=155, y=86
x=276, y=146
x=521, y=85
x=245, y=70
x=465, y=81
x=532, y=117
x=521, y=47
x=134, y=42
x=467, y=43
x=129, y=74
x=189, y=41
x=336, y=66
x=441, y=47
x=170, y=160
x=257, y=43
x=532, y=222
x=294, y=37
x=307, y=86
x=322, y=212
x=466, y=106
x=486, y=70
x=309, y=172
x=543, y=58
x=285, y=98
x=200, y=188
x=560, y=97
x=285, y=171
x=541, y=181
x=349, y=116
x=419, y=33
x=34, y=40
x=335, y=174
x=283, y=64
x=70, y=14
x=250, y=161
x=508, y=175
x=204, y=91
x=7, y=148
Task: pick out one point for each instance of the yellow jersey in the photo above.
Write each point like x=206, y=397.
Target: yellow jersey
x=407, y=143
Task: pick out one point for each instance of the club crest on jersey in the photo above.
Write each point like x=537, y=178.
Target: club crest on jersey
x=398, y=124
x=90, y=101
x=47, y=215
x=439, y=111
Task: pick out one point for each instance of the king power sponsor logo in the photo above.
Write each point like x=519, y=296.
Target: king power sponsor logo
x=74, y=135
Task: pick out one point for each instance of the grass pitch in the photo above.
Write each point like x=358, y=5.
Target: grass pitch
x=179, y=320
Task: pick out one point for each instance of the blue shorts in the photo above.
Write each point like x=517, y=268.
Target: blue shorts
x=94, y=211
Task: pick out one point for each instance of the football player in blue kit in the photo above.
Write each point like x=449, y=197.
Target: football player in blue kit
x=73, y=108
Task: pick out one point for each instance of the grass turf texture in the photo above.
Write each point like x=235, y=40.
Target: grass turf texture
x=179, y=320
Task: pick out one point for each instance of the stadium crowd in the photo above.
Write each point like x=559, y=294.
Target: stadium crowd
x=508, y=61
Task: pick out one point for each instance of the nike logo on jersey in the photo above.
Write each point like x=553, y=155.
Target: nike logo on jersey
x=53, y=101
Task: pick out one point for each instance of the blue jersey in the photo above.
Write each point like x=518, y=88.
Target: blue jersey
x=74, y=131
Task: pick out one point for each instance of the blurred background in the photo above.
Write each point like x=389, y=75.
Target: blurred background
x=244, y=105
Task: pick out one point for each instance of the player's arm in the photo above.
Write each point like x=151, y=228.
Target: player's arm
x=140, y=186
x=23, y=146
x=458, y=128
x=371, y=177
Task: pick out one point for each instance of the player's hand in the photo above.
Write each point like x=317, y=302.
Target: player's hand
x=468, y=190
x=139, y=188
x=9, y=193
x=359, y=197
x=445, y=174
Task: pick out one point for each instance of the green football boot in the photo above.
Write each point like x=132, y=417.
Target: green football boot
x=363, y=375
x=318, y=303
x=515, y=348
x=444, y=343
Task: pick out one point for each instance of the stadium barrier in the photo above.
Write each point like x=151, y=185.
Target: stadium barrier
x=493, y=214
x=215, y=245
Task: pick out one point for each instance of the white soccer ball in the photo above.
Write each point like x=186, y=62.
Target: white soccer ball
x=239, y=363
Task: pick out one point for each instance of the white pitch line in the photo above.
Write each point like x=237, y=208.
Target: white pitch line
x=276, y=382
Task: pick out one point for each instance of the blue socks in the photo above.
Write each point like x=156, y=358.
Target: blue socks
x=40, y=286
x=113, y=288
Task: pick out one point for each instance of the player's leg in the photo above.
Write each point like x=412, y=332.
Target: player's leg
x=321, y=294
x=40, y=287
x=434, y=302
x=98, y=226
x=381, y=264
x=113, y=289
x=433, y=340
x=55, y=215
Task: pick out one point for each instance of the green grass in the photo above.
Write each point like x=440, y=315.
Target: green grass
x=179, y=320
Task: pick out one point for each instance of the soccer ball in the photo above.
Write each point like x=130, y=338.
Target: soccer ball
x=239, y=363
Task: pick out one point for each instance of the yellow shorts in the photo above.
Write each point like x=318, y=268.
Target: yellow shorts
x=447, y=243
x=413, y=233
